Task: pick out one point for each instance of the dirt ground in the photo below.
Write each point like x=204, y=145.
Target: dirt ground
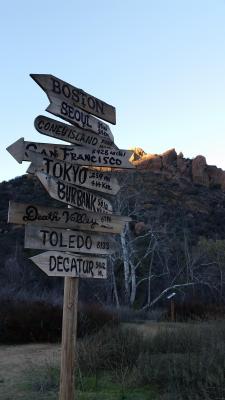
x=15, y=359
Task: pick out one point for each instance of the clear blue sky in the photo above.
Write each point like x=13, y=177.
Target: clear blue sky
x=161, y=63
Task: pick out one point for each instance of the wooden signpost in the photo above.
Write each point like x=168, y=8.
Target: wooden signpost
x=74, y=174
x=68, y=218
x=55, y=87
x=55, y=263
x=110, y=158
x=73, y=247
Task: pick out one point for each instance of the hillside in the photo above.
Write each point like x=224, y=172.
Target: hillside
x=164, y=202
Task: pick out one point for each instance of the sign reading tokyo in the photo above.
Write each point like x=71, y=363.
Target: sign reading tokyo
x=55, y=263
x=45, y=238
x=55, y=87
x=74, y=174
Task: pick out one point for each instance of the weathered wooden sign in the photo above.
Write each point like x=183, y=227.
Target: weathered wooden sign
x=55, y=263
x=73, y=195
x=45, y=238
x=69, y=133
x=110, y=158
x=61, y=108
x=55, y=87
x=74, y=174
x=68, y=218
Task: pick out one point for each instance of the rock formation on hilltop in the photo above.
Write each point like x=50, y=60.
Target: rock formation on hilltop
x=175, y=166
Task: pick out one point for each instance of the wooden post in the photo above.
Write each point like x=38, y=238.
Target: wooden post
x=69, y=333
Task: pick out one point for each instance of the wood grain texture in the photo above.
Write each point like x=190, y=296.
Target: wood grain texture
x=73, y=195
x=54, y=86
x=55, y=263
x=73, y=218
x=45, y=238
x=74, y=174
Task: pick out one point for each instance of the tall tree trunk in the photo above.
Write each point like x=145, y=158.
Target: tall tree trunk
x=126, y=266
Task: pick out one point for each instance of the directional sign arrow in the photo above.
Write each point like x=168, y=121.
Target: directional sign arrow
x=73, y=195
x=55, y=263
x=69, y=133
x=55, y=87
x=110, y=158
x=45, y=238
x=64, y=110
x=68, y=218
x=74, y=174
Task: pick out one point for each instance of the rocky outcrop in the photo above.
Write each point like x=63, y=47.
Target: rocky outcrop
x=175, y=166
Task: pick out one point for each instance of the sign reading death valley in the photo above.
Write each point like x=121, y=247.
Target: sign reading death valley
x=55, y=87
x=54, y=263
x=68, y=218
x=73, y=195
x=110, y=158
x=74, y=174
x=69, y=133
x=45, y=238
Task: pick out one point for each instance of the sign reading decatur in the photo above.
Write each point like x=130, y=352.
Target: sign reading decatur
x=45, y=238
x=74, y=195
x=68, y=218
x=55, y=263
x=55, y=87
x=69, y=133
x=75, y=174
x=110, y=158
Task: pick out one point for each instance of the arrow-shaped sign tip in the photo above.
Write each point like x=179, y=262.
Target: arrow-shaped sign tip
x=16, y=150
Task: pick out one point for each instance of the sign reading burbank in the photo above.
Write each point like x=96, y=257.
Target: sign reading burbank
x=73, y=195
x=74, y=174
x=54, y=263
x=78, y=117
x=69, y=218
x=45, y=238
x=69, y=133
x=73, y=154
x=55, y=87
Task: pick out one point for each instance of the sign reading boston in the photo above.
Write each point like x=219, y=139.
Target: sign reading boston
x=55, y=87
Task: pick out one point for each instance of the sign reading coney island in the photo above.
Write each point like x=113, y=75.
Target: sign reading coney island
x=110, y=158
x=69, y=133
x=74, y=174
x=61, y=108
x=73, y=195
x=55, y=263
x=45, y=238
x=55, y=87
x=68, y=218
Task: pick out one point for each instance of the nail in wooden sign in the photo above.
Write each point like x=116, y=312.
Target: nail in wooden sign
x=68, y=218
x=55, y=87
x=73, y=195
x=74, y=174
x=69, y=133
x=54, y=263
x=110, y=158
x=45, y=238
